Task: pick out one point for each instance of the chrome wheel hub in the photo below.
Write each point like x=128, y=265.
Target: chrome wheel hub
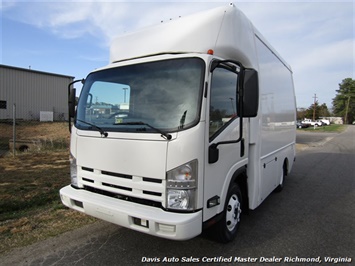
x=233, y=212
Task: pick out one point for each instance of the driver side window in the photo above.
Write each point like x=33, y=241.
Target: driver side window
x=223, y=107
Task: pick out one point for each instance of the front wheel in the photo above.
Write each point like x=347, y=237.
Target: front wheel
x=226, y=229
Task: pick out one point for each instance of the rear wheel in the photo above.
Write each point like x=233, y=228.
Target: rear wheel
x=280, y=187
x=226, y=229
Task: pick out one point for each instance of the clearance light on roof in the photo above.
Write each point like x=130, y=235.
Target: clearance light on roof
x=210, y=51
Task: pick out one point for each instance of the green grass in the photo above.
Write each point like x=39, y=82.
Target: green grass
x=331, y=128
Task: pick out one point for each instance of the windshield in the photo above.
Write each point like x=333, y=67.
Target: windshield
x=162, y=95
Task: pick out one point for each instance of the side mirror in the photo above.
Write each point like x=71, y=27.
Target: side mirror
x=250, y=93
x=89, y=102
x=72, y=103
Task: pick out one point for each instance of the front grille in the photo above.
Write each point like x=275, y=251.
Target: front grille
x=143, y=190
x=116, y=174
x=118, y=187
x=125, y=198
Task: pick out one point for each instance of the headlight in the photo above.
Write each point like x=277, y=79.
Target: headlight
x=181, y=187
x=73, y=171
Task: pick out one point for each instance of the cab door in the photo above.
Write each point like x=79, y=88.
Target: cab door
x=223, y=125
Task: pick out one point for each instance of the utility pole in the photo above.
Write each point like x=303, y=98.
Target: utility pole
x=232, y=105
x=124, y=89
x=346, y=110
x=314, y=106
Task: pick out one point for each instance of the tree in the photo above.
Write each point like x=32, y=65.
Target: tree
x=301, y=113
x=321, y=111
x=344, y=101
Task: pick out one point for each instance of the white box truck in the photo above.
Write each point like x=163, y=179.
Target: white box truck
x=190, y=125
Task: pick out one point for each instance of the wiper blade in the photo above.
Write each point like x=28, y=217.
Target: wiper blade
x=182, y=120
x=163, y=134
x=102, y=132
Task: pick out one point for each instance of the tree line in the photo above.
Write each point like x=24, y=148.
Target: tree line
x=343, y=104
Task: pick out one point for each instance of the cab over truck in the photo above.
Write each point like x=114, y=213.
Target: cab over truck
x=190, y=125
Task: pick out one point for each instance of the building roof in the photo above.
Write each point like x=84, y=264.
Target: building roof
x=35, y=71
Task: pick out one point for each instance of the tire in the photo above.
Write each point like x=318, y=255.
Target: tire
x=225, y=230
x=280, y=187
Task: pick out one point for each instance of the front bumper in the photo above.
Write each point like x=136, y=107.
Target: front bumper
x=145, y=219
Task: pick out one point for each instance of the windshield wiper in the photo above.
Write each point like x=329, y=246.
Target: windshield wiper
x=102, y=132
x=182, y=120
x=163, y=134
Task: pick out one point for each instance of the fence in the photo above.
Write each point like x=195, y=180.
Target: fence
x=18, y=135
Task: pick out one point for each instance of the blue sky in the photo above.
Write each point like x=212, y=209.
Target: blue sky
x=72, y=37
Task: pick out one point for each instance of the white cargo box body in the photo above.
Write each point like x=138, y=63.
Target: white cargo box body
x=269, y=137
x=226, y=30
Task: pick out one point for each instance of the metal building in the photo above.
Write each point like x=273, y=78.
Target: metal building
x=35, y=94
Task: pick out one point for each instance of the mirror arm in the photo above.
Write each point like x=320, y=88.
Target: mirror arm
x=213, y=153
x=70, y=104
x=217, y=63
x=73, y=82
x=240, y=91
x=213, y=149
